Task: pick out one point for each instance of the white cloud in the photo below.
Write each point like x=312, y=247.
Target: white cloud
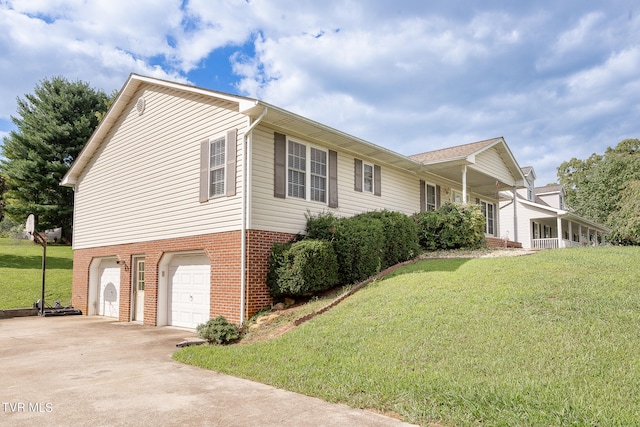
x=552, y=77
x=97, y=42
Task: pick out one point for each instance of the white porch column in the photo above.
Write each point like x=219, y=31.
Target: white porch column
x=515, y=215
x=570, y=232
x=464, y=185
x=580, y=233
x=560, y=241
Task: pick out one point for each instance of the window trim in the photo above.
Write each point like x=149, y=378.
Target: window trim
x=366, y=165
x=359, y=177
x=426, y=197
x=453, y=196
x=484, y=209
x=308, y=191
x=230, y=138
x=424, y=191
x=219, y=139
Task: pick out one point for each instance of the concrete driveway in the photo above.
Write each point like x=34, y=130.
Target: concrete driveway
x=81, y=371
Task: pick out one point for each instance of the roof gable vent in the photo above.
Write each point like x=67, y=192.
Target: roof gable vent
x=140, y=105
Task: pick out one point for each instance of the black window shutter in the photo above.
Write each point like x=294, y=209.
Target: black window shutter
x=231, y=148
x=437, y=196
x=423, y=196
x=280, y=165
x=204, y=171
x=477, y=201
x=333, y=179
x=377, y=179
x=357, y=175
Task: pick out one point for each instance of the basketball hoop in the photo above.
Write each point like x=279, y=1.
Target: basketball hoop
x=30, y=226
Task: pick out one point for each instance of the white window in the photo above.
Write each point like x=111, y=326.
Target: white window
x=489, y=217
x=297, y=166
x=318, y=175
x=431, y=197
x=456, y=196
x=217, y=161
x=367, y=177
x=301, y=159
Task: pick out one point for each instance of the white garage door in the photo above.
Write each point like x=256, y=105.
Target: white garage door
x=109, y=291
x=189, y=290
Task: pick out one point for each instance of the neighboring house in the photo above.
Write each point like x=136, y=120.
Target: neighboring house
x=181, y=192
x=540, y=219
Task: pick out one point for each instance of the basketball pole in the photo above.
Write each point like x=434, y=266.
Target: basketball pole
x=42, y=241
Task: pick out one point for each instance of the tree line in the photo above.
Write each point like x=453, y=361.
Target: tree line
x=606, y=189
x=55, y=121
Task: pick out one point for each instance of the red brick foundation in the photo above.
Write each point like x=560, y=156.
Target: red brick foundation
x=494, y=242
x=224, y=252
x=259, y=245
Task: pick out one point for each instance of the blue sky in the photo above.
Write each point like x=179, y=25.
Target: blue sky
x=556, y=79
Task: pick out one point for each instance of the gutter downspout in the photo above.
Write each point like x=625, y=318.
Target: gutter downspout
x=245, y=199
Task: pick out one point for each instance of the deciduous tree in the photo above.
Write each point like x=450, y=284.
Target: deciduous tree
x=597, y=186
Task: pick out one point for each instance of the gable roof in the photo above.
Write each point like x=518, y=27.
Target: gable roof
x=553, y=188
x=440, y=162
x=447, y=162
x=278, y=118
x=455, y=153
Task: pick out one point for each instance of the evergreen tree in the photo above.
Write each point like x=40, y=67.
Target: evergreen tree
x=53, y=125
x=3, y=188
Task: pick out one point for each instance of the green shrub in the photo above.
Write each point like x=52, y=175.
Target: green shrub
x=276, y=261
x=400, y=237
x=321, y=226
x=358, y=244
x=218, y=331
x=308, y=267
x=452, y=226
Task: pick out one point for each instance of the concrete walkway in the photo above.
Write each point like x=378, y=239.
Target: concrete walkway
x=80, y=371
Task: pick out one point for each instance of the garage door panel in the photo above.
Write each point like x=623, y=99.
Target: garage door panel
x=109, y=289
x=189, y=291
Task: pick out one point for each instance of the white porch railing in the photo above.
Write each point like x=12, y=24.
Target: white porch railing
x=552, y=243
x=545, y=243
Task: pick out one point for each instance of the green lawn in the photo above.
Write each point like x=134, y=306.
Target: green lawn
x=549, y=339
x=21, y=274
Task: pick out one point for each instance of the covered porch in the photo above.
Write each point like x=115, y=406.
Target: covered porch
x=566, y=231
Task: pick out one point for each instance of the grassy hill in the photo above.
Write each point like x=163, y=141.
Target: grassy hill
x=21, y=274
x=545, y=339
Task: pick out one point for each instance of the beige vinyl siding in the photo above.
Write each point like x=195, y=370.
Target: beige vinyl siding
x=526, y=214
x=490, y=163
x=400, y=190
x=552, y=199
x=143, y=183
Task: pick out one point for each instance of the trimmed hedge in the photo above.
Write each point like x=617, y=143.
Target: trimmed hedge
x=366, y=243
x=452, y=226
x=400, y=237
x=359, y=246
x=305, y=268
x=276, y=261
x=321, y=226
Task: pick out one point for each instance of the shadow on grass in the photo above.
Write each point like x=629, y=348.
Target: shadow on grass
x=439, y=264
x=31, y=262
